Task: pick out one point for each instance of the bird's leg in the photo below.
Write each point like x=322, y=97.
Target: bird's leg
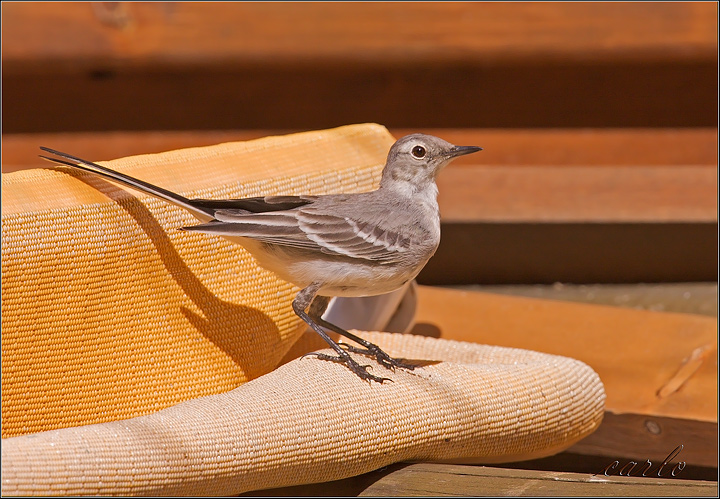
x=302, y=301
x=317, y=308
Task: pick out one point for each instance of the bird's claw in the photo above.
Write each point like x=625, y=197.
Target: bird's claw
x=360, y=370
x=383, y=359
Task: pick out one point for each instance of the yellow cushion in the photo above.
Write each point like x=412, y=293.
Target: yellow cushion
x=110, y=312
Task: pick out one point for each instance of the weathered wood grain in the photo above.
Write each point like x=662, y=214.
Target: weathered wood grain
x=429, y=479
x=640, y=437
x=432, y=480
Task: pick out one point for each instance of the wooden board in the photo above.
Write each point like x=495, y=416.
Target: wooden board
x=640, y=437
x=430, y=480
x=426, y=479
x=623, y=194
x=699, y=298
x=652, y=363
x=171, y=33
x=583, y=146
x=502, y=147
x=143, y=66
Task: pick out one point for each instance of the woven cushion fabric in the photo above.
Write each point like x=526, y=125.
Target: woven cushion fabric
x=110, y=312
x=312, y=420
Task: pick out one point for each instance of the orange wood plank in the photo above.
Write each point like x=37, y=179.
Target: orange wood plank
x=209, y=32
x=579, y=194
x=516, y=147
x=583, y=146
x=656, y=363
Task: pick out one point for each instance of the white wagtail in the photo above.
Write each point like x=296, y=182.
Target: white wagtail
x=333, y=245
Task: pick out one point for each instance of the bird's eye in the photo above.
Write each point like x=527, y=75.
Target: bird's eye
x=419, y=152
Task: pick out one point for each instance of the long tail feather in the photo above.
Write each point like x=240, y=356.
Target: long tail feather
x=84, y=165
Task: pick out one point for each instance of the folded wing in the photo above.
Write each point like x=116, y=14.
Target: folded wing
x=311, y=229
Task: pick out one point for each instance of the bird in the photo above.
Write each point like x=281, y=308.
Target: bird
x=357, y=244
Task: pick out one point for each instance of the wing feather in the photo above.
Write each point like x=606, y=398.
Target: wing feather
x=352, y=238
x=305, y=228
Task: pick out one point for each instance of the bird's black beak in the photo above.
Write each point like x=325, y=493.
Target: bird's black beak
x=463, y=150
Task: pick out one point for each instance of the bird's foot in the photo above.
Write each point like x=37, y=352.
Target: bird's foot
x=383, y=359
x=361, y=371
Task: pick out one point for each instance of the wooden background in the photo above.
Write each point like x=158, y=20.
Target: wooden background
x=599, y=123
x=150, y=66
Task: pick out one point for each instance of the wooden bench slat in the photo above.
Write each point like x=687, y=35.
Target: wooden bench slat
x=652, y=363
x=431, y=479
x=371, y=33
x=583, y=146
x=578, y=194
x=640, y=437
x=437, y=479
x=516, y=147
x=140, y=66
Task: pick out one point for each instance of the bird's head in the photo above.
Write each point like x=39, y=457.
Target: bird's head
x=417, y=159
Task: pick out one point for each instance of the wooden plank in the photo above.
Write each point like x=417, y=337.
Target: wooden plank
x=651, y=363
x=579, y=463
x=430, y=479
x=684, y=297
x=583, y=147
x=110, y=66
x=579, y=194
x=41, y=34
x=503, y=147
x=640, y=437
x=647, y=441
